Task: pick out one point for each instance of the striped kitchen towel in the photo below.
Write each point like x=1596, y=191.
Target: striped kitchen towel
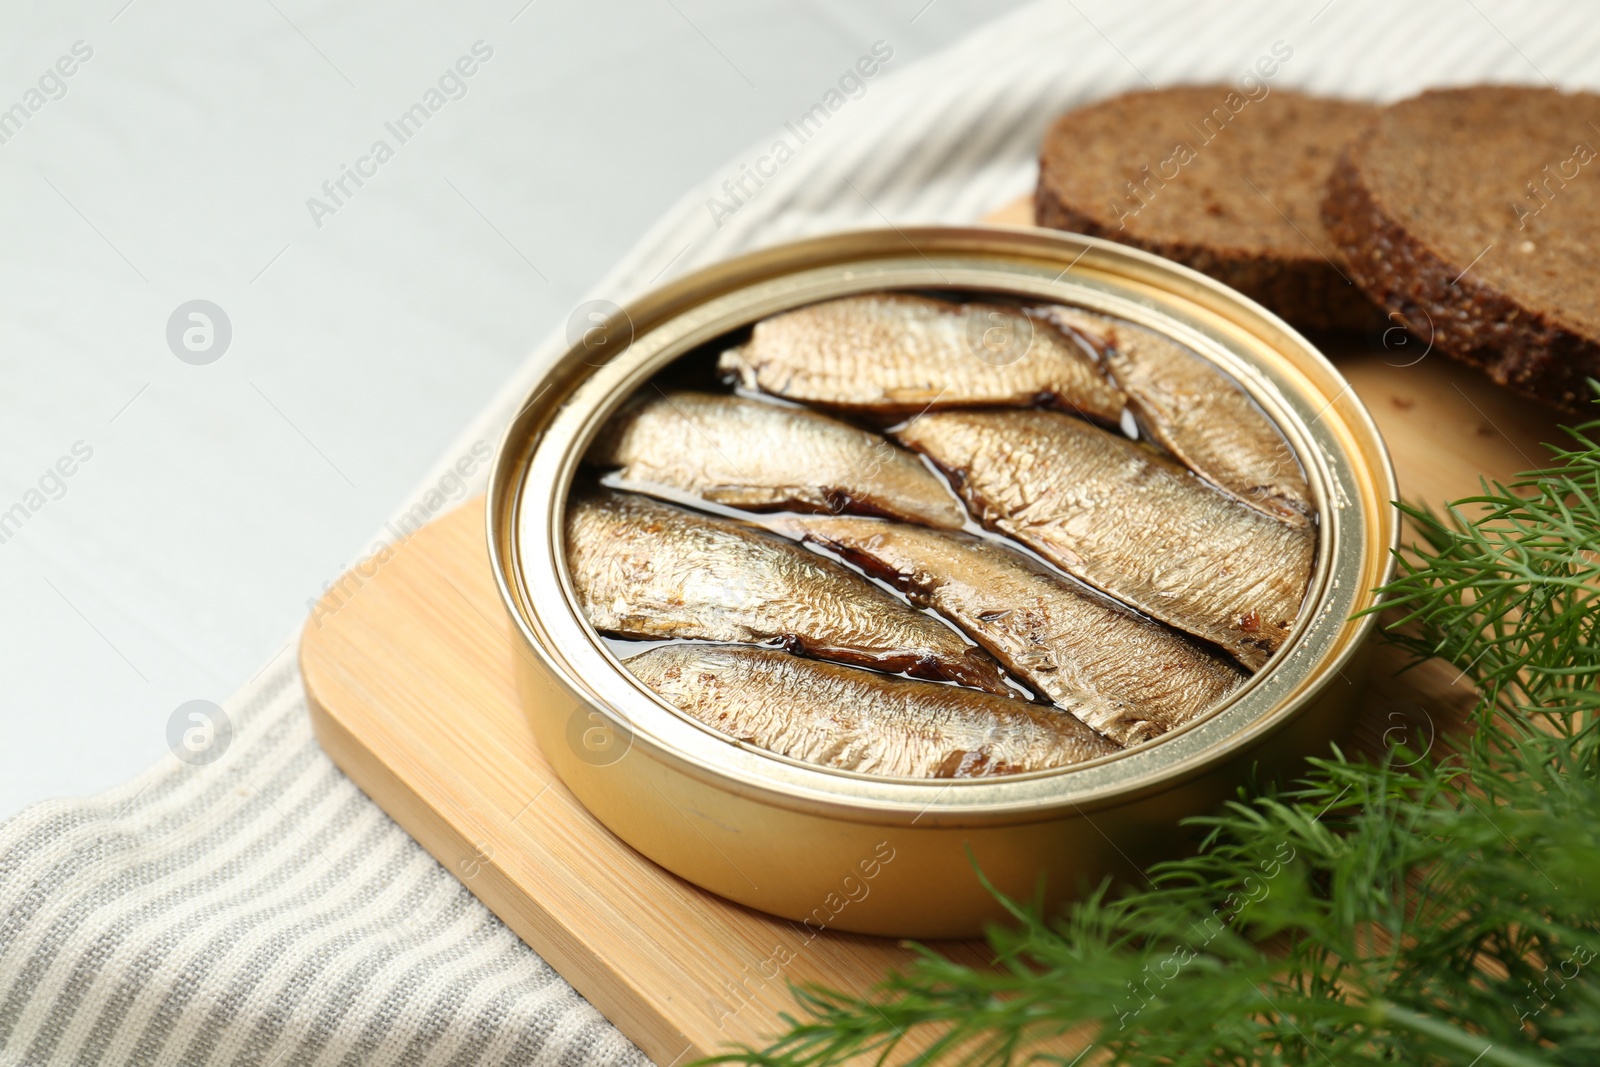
x=260, y=910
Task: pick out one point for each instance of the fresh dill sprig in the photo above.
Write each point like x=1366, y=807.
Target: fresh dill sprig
x=1427, y=908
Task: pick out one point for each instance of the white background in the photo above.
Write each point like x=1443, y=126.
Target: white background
x=177, y=166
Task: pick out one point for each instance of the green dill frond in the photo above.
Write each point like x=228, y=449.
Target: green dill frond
x=1427, y=909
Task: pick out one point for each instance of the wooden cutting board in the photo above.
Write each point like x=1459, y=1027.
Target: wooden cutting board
x=408, y=667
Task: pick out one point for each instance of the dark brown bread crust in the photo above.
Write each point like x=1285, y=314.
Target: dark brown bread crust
x=1209, y=217
x=1540, y=350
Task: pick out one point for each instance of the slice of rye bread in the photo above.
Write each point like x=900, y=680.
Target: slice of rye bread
x=1474, y=214
x=1223, y=183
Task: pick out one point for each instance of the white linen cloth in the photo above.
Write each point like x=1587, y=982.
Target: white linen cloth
x=261, y=910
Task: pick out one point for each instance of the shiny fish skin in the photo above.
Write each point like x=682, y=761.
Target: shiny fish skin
x=644, y=569
x=1133, y=524
x=898, y=354
x=1128, y=677
x=1200, y=415
x=856, y=720
x=759, y=456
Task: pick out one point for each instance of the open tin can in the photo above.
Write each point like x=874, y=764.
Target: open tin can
x=900, y=857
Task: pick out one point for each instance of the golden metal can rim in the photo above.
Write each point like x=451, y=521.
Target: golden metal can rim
x=1346, y=463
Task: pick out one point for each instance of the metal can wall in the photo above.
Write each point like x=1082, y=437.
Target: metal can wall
x=895, y=856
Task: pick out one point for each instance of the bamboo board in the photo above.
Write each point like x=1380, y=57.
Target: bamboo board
x=409, y=675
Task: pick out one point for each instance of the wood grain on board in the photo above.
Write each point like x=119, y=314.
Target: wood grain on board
x=408, y=667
